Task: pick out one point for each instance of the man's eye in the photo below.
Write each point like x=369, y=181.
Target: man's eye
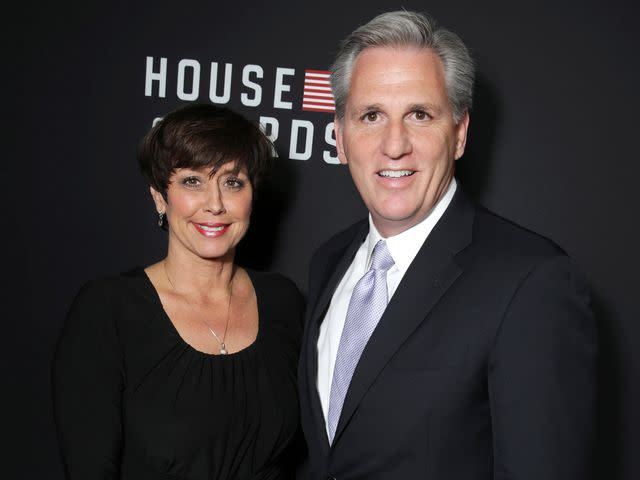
x=421, y=115
x=371, y=116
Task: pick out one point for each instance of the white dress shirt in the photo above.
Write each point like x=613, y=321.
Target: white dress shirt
x=403, y=248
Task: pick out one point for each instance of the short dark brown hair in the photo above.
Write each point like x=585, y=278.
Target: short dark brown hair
x=203, y=135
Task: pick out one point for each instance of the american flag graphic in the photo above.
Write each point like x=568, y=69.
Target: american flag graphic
x=317, y=95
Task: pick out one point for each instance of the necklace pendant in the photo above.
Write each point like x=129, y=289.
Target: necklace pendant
x=223, y=349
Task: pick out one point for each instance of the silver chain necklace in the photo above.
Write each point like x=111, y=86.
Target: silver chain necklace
x=223, y=347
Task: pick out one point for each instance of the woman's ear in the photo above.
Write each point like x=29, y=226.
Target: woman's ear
x=158, y=199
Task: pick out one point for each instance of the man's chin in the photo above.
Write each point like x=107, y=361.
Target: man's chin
x=391, y=223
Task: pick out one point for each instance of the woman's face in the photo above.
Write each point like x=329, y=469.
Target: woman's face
x=207, y=215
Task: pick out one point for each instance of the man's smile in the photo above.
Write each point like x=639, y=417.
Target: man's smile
x=396, y=173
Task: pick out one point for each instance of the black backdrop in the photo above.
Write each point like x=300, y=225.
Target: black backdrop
x=552, y=146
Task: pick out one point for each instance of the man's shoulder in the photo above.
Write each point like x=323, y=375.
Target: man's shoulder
x=504, y=237
x=343, y=238
x=332, y=250
x=502, y=254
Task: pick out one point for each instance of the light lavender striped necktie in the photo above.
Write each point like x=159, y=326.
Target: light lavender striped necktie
x=367, y=304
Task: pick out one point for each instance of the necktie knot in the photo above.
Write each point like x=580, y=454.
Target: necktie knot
x=381, y=259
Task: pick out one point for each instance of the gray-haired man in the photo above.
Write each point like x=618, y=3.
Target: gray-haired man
x=442, y=341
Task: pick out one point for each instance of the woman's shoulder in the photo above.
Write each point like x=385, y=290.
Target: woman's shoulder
x=102, y=306
x=278, y=296
x=273, y=283
x=107, y=288
x=109, y=297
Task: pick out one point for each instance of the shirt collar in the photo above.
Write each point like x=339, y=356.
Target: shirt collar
x=405, y=246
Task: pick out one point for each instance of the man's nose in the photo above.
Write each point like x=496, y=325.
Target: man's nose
x=214, y=200
x=396, y=142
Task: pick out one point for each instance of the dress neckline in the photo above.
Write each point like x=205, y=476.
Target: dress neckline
x=155, y=297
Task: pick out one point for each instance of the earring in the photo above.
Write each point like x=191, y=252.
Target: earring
x=160, y=218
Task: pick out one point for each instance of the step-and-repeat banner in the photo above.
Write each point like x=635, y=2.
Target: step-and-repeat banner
x=551, y=147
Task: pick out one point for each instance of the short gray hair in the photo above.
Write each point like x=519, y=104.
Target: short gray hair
x=412, y=29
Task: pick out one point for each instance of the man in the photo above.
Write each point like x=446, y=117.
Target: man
x=442, y=341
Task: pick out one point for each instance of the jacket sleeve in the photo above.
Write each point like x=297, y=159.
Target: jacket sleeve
x=542, y=378
x=87, y=388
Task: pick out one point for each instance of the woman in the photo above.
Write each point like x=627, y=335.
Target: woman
x=185, y=369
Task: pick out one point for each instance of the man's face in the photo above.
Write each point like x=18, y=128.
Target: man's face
x=398, y=136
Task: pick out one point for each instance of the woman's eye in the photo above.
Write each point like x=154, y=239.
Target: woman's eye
x=191, y=182
x=234, y=182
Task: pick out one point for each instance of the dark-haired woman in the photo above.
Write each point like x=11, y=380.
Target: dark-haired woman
x=185, y=369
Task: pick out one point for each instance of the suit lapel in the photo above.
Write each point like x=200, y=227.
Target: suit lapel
x=338, y=262
x=431, y=273
x=338, y=269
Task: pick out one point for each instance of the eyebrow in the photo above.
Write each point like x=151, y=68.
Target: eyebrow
x=366, y=108
x=429, y=107
x=227, y=168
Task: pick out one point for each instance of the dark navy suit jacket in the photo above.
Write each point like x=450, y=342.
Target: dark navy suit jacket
x=483, y=365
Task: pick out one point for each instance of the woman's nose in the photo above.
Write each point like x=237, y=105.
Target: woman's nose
x=215, y=201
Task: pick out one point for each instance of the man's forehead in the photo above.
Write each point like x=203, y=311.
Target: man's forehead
x=379, y=64
x=384, y=74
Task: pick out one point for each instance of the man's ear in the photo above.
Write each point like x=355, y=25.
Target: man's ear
x=461, y=135
x=337, y=126
x=158, y=199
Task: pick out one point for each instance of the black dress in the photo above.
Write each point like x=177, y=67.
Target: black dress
x=134, y=401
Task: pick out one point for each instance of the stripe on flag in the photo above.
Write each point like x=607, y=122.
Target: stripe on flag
x=317, y=96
